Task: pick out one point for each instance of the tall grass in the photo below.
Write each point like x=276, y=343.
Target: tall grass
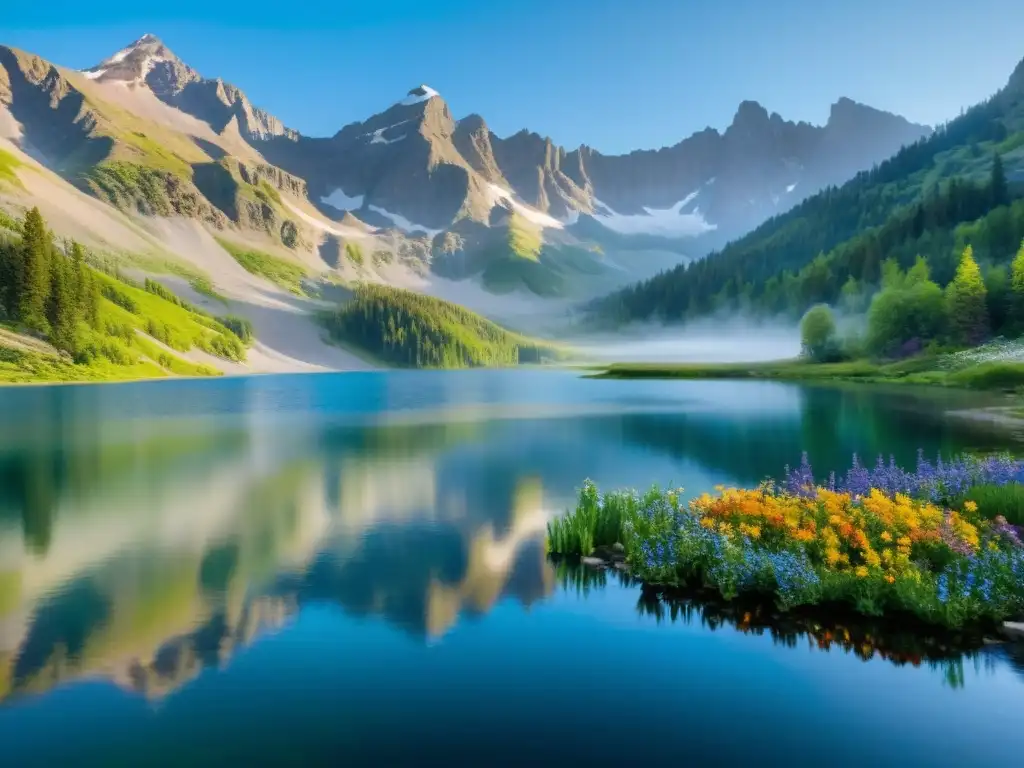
x=995, y=500
x=595, y=522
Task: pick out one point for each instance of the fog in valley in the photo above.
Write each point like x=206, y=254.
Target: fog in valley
x=711, y=341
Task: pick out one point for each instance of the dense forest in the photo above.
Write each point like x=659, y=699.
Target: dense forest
x=911, y=313
x=930, y=199
x=411, y=330
x=97, y=324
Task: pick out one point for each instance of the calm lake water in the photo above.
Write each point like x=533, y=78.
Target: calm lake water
x=348, y=570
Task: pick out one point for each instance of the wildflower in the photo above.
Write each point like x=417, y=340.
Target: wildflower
x=861, y=571
x=970, y=506
x=886, y=536
x=890, y=578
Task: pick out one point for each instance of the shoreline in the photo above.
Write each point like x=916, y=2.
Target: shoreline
x=1007, y=377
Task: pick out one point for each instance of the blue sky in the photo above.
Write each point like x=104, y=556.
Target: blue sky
x=614, y=74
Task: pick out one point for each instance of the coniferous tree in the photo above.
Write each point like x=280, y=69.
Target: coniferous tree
x=998, y=187
x=62, y=305
x=33, y=280
x=78, y=277
x=965, y=302
x=9, y=259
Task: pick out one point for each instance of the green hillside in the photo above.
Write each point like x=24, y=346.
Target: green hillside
x=919, y=201
x=64, y=319
x=410, y=330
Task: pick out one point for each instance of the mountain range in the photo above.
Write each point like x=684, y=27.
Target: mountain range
x=412, y=195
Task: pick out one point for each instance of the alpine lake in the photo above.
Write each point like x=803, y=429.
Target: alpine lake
x=349, y=569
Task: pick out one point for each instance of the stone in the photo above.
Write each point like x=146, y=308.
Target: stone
x=1014, y=630
x=618, y=548
x=592, y=562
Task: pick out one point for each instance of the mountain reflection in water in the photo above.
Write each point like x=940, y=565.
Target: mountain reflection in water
x=144, y=541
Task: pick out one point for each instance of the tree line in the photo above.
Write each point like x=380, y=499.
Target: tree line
x=912, y=313
x=411, y=330
x=44, y=289
x=806, y=255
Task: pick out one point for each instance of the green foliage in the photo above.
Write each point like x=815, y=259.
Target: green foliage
x=286, y=274
x=8, y=164
x=997, y=184
x=239, y=326
x=354, y=253
x=112, y=292
x=965, y=296
x=105, y=326
x=595, y=522
x=411, y=330
x=904, y=318
x=63, y=309
x=910, y=204
x=997, y=501
x=32, y=272
x=923, y=369
x=1016, y=308
x=130, y=185
x=818, y=334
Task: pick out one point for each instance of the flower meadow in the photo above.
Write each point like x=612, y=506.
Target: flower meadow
x=878, y=540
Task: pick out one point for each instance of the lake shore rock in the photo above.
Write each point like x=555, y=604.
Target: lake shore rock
x=607, y=557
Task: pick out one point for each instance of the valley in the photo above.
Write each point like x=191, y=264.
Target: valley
x=162, y=173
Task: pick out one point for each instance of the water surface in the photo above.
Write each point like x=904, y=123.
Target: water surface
x=349, y=569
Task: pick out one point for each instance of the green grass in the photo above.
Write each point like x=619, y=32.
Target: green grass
x=593, y=523
x=22, y=367
x=8, y=164
x=354, y=253
x=995, y=500
x=175, y=325
x=920, y=370
x=204, y=287
x=286, y=274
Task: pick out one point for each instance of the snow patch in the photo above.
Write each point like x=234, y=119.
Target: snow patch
x=335, y=229
x=96, y=74
x=666, y=222
x=791, y=187
x=403, y=223
x=571, y=217
x=419, y=95
x=377, y=136
x=338, y=199
x=500, y=194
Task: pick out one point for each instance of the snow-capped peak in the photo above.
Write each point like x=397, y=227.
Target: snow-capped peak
x=144, y=52
x=419, y=95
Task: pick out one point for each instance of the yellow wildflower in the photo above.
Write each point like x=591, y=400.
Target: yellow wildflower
x=970, y=506
x=861, y=571
x=886, y=536
x=890, y=578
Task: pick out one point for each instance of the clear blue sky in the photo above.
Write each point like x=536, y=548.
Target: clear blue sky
x=615, y=74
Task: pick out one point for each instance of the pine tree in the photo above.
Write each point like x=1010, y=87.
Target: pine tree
x=1016, y=308
x=91, y=299
x=33, y=285
x=997, y=185
x=965, y=302
x=62, y=305
x=10, y=258
x=78, y=278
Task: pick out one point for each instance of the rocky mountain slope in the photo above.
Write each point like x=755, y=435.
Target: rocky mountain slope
x=414, y=196
x=963, y=185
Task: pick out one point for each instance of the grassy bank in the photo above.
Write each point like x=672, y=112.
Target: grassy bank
x=934, y=544
x=991, y=376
